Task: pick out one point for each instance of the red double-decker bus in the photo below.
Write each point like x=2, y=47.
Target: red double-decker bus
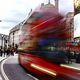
x=43, y=41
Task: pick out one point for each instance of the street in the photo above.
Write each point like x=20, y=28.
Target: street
x=11, y=70
x=39, y=40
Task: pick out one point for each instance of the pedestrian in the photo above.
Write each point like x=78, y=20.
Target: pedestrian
x=0, y=52
x=4, y=52
x=8, y=51
x=69, y=56
x=78, y=58
x=75, y=55
x=12, y=51
x=16, y=48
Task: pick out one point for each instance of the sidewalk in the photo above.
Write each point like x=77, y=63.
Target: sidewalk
x=73, y=65
x=1, y=58
x=76, y=65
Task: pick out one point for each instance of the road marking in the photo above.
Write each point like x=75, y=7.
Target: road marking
x=1, y=58
x=1, y=78
x=72, y=67
x=6, y=77
x=32, y=77
x=2, y=71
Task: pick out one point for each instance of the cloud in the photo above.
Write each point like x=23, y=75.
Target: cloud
x=5, y=7
x=66, y=7
x=13, y=12
x=77, y=25
x=6, y=26
x=5, y=31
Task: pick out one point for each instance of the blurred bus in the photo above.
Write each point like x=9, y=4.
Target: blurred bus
x=43, y=44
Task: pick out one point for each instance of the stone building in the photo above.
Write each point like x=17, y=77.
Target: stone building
x=4, y=40
x=14, y=34
x=70, y=23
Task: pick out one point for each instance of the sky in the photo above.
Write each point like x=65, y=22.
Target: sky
x=13, y=12
x=77, y=25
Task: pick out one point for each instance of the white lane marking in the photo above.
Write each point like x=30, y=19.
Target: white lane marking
x=1, y=58
x=1, y=78
x=5, y=76
x=32, y=76
x=2, y=70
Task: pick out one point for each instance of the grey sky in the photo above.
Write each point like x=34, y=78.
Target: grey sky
x=77, y=25
x=13, y=12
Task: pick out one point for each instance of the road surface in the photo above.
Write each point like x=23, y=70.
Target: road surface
x=11, y=70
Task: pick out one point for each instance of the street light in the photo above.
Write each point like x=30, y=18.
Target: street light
x=2, y=40
x=13, y=39
x=5, y=42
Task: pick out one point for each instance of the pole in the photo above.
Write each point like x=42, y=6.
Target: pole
x=2, y=41
x=49, y=2
x=13, y=39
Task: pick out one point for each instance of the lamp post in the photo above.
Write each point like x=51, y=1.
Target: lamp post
x=13, y=39
x=2, y=40
x=5, y=42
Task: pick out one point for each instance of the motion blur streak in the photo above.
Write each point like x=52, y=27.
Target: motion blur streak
x=69, y=67
x=43, y=69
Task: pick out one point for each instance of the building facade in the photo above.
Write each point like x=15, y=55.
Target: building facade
x=70, y=24
x=15, y=34
x=4, y=39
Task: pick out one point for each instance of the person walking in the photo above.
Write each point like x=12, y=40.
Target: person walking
x=8, y=52
x=78, y=58
x=4, y=52
x=1, y=51
x=12, y=51
x=69, y=56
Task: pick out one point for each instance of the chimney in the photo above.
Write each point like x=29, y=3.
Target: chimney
x=56, y=4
